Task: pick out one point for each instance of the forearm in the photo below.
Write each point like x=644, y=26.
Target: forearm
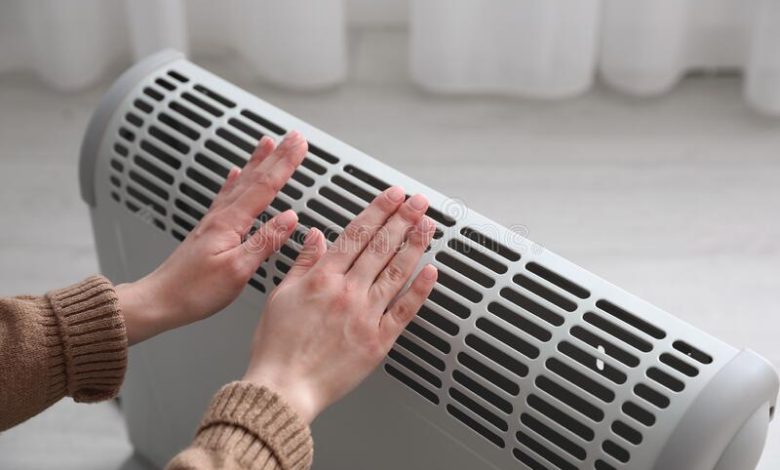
x=69, y=342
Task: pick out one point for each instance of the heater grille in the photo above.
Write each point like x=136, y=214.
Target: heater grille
x=546, y=370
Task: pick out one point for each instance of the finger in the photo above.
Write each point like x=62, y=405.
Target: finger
x=267, y=239
x=355, y=237
x=392, y=279
x=387, y=240
x=265, y=147
x=290, y=140
x=314, y=247
x=260, y=184
x=405, y=308
x=225, y=191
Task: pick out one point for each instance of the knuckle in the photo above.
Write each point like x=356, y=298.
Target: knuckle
x=394, y=273
x=402, y=310
x=354, y=232
x=318, y=281
x=340, y=301
x=345, y=295
x=269, y=182
x=380, y=243
x=237, y=269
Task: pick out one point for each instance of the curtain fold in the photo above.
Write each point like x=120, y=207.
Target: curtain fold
x=536, y=48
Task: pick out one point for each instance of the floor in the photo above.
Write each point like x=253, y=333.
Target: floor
x=675, y=199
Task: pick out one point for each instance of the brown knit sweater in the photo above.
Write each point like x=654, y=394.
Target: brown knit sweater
x=72, y=342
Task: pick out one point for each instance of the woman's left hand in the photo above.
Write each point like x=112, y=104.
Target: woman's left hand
x=211, y=267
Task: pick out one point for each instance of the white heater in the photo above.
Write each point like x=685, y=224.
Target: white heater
x=518, y=360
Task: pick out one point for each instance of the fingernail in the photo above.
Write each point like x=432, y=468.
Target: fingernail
x=430, y=272
x=293, y=137
x=287, y=219
x=396, y=194
x=418, y=202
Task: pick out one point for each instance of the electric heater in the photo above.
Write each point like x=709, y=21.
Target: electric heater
x=518, y=360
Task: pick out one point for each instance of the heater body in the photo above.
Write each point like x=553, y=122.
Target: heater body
x=519, y=359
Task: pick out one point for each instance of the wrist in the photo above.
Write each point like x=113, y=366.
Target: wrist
x=144, y=309
x=295, y=395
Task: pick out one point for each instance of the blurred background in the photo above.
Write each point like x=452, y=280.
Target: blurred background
x=638, y=138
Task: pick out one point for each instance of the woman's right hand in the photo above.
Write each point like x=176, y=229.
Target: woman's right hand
x=338, y=311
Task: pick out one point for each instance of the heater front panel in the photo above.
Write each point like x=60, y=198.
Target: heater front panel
x=521, y=356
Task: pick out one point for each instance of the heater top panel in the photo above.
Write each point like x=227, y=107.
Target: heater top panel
x=520, y=355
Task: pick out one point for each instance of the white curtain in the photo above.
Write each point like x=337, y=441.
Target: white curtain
x=537, y=48
x=71, y=44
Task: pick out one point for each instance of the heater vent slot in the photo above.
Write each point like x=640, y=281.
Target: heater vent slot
x=490, y=244
x=545, y=293
x=531, y=306
x=416, y=329
x=544, y=451
x=558, y=280
x=177, y=76
x=412, y=384
x=496, y=355
x=553, y=436
x=628, y=433
x=519, y=321
x=616, y=451
x=475, y=425
x=679, y=365
x=549, y=367
x=202, y=104
x=481, y=391
x=178, y=126
x=523, y=347
x=569, y=398
x=598, y=343
x=651, y=396
x=257, y=119
x=412, y=366
x=439, y=321
x=465, y=269
x=189, y=114
x=566, y=421
x=617, y=332
x=631, y=319
x=692, y=352
x=470, y=251
x=215, y=96
x=638, y=413
x=143, y=105
x=488, y=374
x=479, y=410
x=601, y=465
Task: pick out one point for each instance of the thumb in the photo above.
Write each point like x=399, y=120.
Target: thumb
x=313, y=248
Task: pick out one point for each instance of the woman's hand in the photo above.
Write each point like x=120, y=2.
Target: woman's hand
x=338, y=311
x=212, y=265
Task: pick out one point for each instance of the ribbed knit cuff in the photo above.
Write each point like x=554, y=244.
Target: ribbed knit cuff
x=255, y=427
x=87, y=340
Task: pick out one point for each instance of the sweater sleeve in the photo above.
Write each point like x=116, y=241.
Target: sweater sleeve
x=247, y=427
x=70, y=342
